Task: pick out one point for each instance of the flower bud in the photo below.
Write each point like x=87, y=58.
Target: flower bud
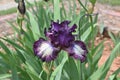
x=21, y=7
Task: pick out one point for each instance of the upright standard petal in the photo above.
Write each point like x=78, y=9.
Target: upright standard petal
x=45, y=50
x=60, y=34
x=77, y=50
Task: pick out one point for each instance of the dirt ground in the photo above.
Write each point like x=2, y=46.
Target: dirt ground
x=5, y=1
x=108, y=15
x=108, y=46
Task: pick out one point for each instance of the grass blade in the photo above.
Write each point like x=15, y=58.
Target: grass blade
x=56, y=75
x=56, y=10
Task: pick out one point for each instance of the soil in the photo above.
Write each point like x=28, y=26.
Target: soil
x=108, y=46
x=5, y=1
x=108, y=15
x=6, y=4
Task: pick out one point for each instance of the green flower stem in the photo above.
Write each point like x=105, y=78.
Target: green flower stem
x=20, y=19
x=48, y=77
x=81, y=71
x=50, y=70
x=83, y=5
x=20, y=24
x=80, y=24
x=91, y=20
x=21, y=29
x=91, y=35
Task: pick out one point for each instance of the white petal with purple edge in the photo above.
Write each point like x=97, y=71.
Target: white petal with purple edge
x=45, y=49
x=78, y=50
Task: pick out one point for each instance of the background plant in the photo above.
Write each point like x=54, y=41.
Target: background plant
x=20, y=63
x=116, y=39
x=111, y=2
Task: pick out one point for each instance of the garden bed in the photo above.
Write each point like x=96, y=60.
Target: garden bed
x=103, y=17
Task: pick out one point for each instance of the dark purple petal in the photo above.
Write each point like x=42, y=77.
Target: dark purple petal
x=64, y=25
x=59, y=27
x=72, y=29
x=60, y=34
x=65, y=39
x=44, y=50
x=77, y=50
x=55, y=26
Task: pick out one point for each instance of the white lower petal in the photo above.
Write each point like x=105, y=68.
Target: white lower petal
x=45, y=49
x=78, y=50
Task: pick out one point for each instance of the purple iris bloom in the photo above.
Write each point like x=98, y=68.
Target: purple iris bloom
x=60, y=37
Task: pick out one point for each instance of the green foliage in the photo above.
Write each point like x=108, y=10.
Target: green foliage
x=56, y=75
x=8, y=11
x=93, y=1
x=56, y=10
x=18, y=62
x=114, y=75
x=116, y=40
x=111, y=2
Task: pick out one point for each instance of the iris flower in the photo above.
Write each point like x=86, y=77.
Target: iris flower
x=60, y=37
